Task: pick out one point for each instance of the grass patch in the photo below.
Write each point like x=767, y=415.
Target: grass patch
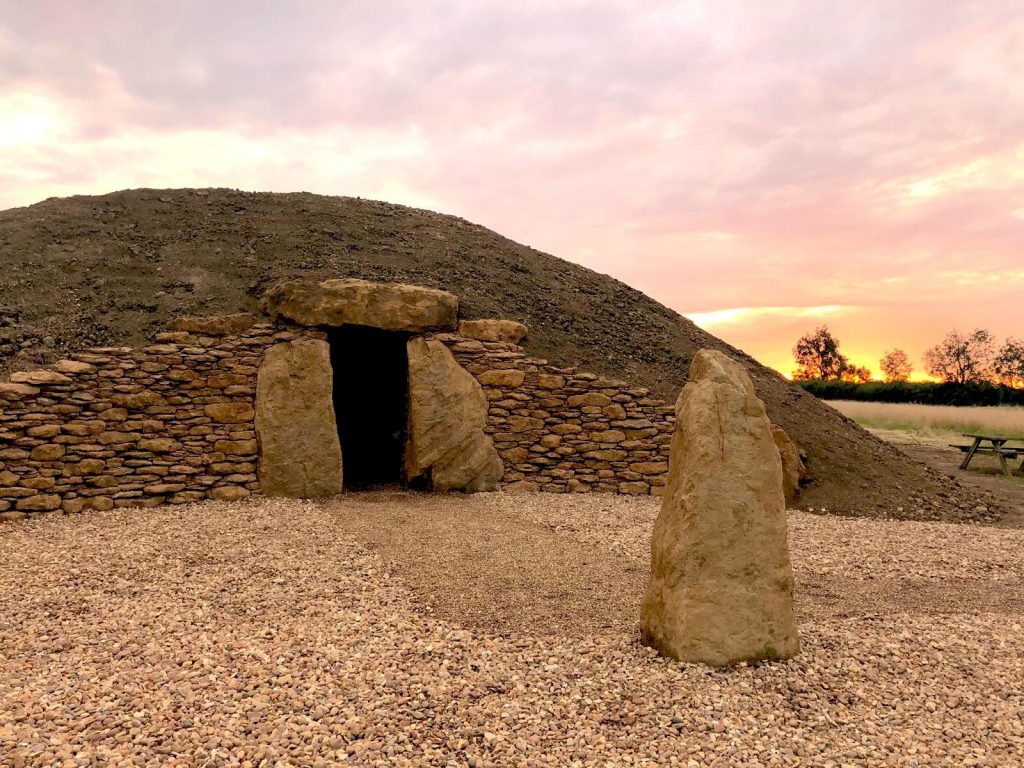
x=935, y=421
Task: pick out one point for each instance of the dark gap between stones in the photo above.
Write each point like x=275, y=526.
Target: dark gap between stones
x=371, y=403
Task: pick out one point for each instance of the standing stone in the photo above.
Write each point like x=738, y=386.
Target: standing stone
x=793, y=469
x=300, y=453
x=721, y=587
x=447, y=413
x=391, y=306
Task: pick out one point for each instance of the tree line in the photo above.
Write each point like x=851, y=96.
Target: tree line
x=958, y=359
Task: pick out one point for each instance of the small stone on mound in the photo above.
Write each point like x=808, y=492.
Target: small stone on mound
x=508, y=331
x=389, y=306
x=721, y=586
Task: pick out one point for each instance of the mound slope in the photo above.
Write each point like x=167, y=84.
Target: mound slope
x=111, y=269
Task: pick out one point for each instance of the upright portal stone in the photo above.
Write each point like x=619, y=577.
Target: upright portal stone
x=793, y=469
x=300, y=454
x=447, y=413
x=721, y=588
x=389, y=306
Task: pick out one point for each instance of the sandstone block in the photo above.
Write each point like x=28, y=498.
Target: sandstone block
x=44, y=502
x=230, y=413
x=502, y=377
x=447, y=416
x=235, y=447
x=159, y=445
x=40, y=377
x=13, y=391
x=48, y=452
x=550, y=381
x=721, y=585
x=390, y=306
x=43, y=430
x=295, y=421
x=589, y=398
x=11, y=517
x=73, y=367
x=649, y=467
x=228, y=493
x=524, y=424
x=508, y=331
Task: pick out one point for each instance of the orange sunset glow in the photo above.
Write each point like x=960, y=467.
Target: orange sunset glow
x=761, y=168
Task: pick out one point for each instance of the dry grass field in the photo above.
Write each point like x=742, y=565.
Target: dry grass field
x=934, y=420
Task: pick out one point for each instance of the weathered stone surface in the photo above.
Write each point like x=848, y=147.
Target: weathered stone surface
x=230, y=413
x=214, y=325
x=508, y=331
x=35, y=378
x=300, y=452
x=502, y=377
x=229, y=493
x=12, y=391
x=447, y=414
x=793, y=469
x=48, y=452
x=390, y=306
x=42, y=503
x=73, y=366
x=721, y=586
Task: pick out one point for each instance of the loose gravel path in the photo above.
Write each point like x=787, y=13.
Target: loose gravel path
x=266, y=633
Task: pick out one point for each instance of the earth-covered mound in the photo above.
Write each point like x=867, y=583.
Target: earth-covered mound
x=112, y=269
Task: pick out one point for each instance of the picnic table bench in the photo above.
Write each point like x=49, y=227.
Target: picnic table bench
x=997, y=445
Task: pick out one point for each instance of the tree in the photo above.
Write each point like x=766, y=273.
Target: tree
x=818, y=357
x=1009, y=363
x=961, y=359
x=896, y=366
x=858, y=374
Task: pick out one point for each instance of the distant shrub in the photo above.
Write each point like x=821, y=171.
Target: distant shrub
x=926, y=393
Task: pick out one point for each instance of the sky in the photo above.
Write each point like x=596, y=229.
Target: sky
x=762, y=168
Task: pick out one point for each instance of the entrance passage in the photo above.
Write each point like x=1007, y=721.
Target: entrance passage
x=371, y=403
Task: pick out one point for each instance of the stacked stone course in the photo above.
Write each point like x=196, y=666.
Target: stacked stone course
x=112, y=427
x=564, y=430
x=173, y=422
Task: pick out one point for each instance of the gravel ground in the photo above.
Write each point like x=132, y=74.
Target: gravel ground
x=263, y=633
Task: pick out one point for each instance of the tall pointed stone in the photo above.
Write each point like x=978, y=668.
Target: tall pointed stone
x=721, y=586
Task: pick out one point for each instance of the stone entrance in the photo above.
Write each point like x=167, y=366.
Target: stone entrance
x=375, y=393
x=371, y=402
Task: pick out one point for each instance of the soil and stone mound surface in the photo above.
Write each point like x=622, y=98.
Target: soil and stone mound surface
x=113, y=269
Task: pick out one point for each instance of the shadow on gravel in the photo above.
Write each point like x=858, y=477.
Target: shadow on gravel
x=483, y=563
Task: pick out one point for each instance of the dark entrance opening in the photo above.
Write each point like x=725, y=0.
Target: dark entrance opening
x=371, y=403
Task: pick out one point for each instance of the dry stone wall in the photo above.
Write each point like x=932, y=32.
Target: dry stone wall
x=111, y=427
x=561, y=429
x=173, y=422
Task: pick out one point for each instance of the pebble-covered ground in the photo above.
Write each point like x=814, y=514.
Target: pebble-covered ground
x=261, y=633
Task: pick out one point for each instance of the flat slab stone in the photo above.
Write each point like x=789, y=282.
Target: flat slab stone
x=508, y=331
x=389, y=306
x=300, y=453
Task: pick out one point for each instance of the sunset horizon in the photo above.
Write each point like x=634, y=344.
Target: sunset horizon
x=757, y=179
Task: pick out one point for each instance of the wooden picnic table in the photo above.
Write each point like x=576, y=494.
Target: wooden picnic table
x=997, y=445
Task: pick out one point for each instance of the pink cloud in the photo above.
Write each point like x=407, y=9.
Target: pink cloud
x=717, y=155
